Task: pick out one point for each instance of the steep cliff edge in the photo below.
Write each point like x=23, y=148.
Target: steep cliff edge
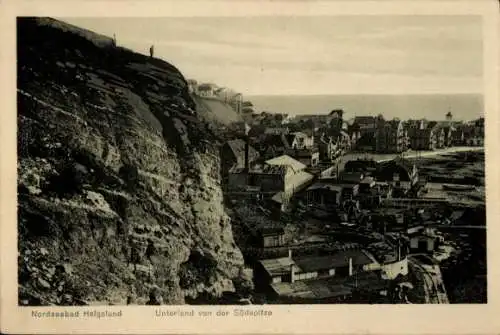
x=118, y=178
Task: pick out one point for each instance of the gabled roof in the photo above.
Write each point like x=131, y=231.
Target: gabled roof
x=286, y=160
x=237, y=146
x=394, y=123
x=432, y=124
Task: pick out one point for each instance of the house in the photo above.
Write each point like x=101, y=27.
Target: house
x=300, y=140
x=398, y=170
x=458, y=136
x=192, y=86
x=309, y=156
x=273, y=145
x=390, y=137
x=278, y=179
x=354, y=134
x=350, y=177
x=365, y=143
x=424, y=240
x=366, y=185
x=328, y=150
x=271, y=237
x=474, y=133
x=448, y=135
x=366, y=124
x=235, y=100
x=207, y=90
x=291, y=269
x=232, y=155
x=313, y=120
x=367, y=166
x=438, y=134
x=422, y=139
x=324, y=194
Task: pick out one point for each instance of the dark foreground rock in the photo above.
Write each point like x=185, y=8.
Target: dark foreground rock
x=118, y=185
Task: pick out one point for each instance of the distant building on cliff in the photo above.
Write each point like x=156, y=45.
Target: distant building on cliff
x=207, y=90
x=192, y=86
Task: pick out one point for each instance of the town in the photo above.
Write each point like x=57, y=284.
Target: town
x=363, y=210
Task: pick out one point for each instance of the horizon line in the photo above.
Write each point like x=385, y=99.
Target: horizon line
x=363, y=93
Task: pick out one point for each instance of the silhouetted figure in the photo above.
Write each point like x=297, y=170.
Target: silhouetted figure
x=114, y=40
x=151, y=51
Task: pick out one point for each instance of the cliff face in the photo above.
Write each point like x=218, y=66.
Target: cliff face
x=118, y=177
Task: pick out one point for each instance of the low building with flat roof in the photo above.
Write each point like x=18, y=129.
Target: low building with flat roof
x=291, y=269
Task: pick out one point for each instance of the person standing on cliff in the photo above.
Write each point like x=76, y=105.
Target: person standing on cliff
x=151, y=51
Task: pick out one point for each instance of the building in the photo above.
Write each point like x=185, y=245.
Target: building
x=367, y=166
x=398, y=170
x=458, y=136
x=271, y=237
x=422, y=139
x=300, y=140
x=366, y=124
x=324, y=194
x=273, y=145
x=232, y=155
x=438, y=134
x=354, y=134
x=207, y=90
x=309, y=156
x=350, y=177
x=448, y=135
x=294, y=269
x=235, y=100
x=192, y=86
x=424, y=240
x=328, y=149
x=390, y=137
x=277, y=179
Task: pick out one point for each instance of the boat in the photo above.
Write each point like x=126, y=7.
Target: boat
x=451, y=187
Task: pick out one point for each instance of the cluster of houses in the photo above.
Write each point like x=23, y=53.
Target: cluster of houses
x=288, y=163
x=373, y=133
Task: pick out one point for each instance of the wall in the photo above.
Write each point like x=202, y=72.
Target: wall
x=392, y=270
x=236, y=180
x=268, y=182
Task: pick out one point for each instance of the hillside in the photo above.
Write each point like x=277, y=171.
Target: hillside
x=119, y=185
x=212, y=109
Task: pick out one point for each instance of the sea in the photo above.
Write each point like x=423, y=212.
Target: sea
x=463, y=107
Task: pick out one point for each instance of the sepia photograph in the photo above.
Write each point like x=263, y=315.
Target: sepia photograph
x=260, y=160
x=249, y=167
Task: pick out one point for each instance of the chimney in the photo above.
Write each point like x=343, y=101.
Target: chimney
x=350, y=266
x=247, y=164
x=399, y=250
x=292, y=273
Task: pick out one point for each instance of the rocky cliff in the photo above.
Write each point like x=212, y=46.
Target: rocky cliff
x=118, y=178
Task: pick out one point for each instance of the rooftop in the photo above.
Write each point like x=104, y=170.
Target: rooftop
x=286, y=160
x=325, y=186
x=339, y=259
x=277, y=266
x=329, y=287
x=350, y=177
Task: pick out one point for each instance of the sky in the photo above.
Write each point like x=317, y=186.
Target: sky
x=309, y=55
